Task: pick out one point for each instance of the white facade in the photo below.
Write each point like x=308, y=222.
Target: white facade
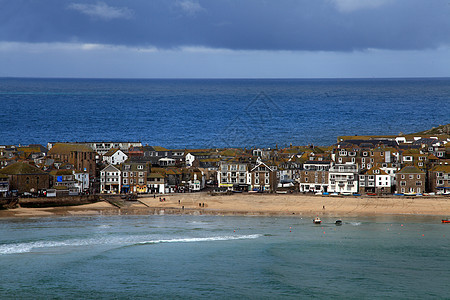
x=233, y=173
x=343, y=178
x=110, y=180
x=189, y=159
x=81, y=181
x=116, y=158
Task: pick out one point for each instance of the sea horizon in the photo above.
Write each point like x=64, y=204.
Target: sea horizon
x=217, y=113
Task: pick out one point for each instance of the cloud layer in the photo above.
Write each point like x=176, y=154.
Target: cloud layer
x=102, y=10
x=319, y=25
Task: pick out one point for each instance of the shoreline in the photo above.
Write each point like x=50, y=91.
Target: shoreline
x=251, y=205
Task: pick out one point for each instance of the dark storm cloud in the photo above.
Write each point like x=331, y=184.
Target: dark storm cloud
x=328, y=25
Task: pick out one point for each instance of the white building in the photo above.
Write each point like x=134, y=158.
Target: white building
x=110, y=180
x=115, y=157
x=81, y=181
x=343, y=178
x=233, y=174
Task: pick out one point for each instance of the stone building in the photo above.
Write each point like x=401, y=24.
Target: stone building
x=24, y=177
x=410, y=180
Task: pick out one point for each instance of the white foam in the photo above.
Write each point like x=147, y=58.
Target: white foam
x=355, y=223
x=30, y=246
x=204, y=239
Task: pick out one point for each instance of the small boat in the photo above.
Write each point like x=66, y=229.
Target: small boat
x=371, y=194
x=446, y=220
x=338, y=222
x=281, y=192
x=317, y=220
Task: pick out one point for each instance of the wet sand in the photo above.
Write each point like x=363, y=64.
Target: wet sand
x=253, y=204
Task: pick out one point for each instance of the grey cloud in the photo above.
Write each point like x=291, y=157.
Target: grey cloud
x=102, y=10
x=319, y=25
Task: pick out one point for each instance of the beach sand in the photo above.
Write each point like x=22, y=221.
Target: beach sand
x=253, y=204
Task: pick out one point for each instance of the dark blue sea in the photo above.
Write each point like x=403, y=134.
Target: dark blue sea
x=214, y=257
x=217, y=113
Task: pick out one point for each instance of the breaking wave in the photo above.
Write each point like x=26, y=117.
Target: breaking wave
x=204, y=239
x=121, y=241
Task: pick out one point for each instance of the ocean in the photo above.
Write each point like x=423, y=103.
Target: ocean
x=215, y=257
x=217, y=113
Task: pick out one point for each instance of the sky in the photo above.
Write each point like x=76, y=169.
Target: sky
x=225, y=38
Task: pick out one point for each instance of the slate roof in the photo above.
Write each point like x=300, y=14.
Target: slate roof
x=66, y=148
x=410, y=170
x=21, y=168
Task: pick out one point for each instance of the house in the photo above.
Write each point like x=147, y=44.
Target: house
x=263, y=177
x=81, y=181
x=4, y=185
x=234, y=175
x=410, y=180
x=155, y=183
x=374, y=180
x=64, y=178
x=134, y=177
x=24, y=177
x=115, y=156
x=314, y=176
x=110, y=180
x=343, y=178
x=439, y=179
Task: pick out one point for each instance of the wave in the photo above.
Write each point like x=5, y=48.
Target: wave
x=205, y=239
x=122, y=241
x=355, y=223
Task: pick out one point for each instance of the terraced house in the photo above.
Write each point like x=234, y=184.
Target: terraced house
x=439, y=179
x=410, y=180
x=314, y=176
x=134, y=177
x=110, y=180
x=233, y=174
x=343, y=178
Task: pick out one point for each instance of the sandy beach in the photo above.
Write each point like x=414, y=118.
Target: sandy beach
x=252, y=204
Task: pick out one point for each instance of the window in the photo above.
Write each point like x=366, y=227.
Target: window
x=140, y=167
x=306, y=179
x=418, y=176
x=403, y=176
x=403, y=183
x=411, y=176
x=125, y=181
x=256, y=181
x=419, y=183
x=363, y=160
x=403, y=190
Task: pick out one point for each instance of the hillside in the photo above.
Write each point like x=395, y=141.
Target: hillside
x=442, y=129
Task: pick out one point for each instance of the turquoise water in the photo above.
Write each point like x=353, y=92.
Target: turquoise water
x=223, y=257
